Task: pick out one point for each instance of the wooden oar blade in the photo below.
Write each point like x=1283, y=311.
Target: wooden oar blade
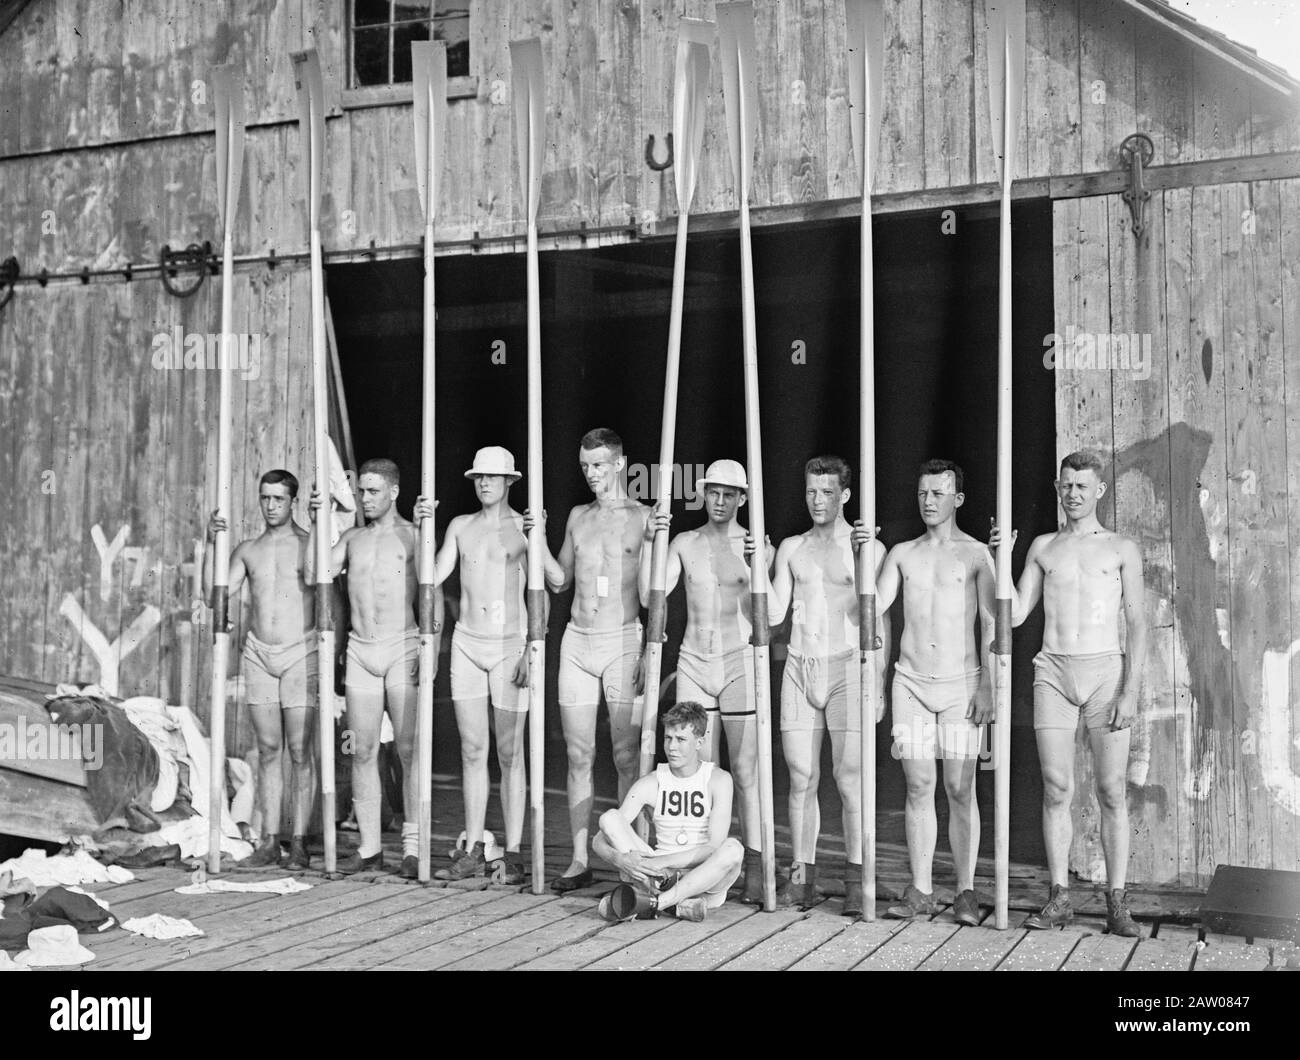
x=866, y=44
x=690, y=95
x=311, y=121
x=530, y=118
x=1006, y=59
x=228, y=94
x=429, y=95
x=737, y=48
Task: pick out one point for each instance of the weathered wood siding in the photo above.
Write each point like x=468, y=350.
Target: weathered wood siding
x=1200, y=440
x=107, y=464
x=108, y=107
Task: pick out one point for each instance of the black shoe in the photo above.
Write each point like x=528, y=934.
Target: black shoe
x=753, y=894
x=1119, y=921
x=854, y=904
x=298, y=859
x=1056, y=913
x=914, y=903
x=356, y=863
x=465, y=864
x=509, y=871
x=565, y=884
x=410, y=869
x=267, y=853
x=966, y=909
x=800, y=890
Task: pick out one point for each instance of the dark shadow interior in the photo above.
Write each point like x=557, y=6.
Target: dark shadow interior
x=604, y=333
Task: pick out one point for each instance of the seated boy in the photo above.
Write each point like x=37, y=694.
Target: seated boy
x=693, y=862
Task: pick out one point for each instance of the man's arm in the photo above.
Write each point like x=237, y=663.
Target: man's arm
x=559, y=570
x=782, y=587
x=985, y=591
x=1026, y=593
x=445, y=562
x=888, y=579
x=658, y=521
x=237, y=570
x=1134, y=589
x=338, y=554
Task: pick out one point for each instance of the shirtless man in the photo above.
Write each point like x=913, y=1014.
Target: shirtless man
x=601, y=649
x=383, y=656
x=820, y=688
x=1087, y=576
x=715, y=665
x=279, y=659
x=942, y=695
x=489, y=660
x=693, y=862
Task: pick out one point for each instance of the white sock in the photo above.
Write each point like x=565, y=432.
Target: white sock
x=410, y=840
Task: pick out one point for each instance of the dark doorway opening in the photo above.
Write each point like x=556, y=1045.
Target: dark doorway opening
x=604, y=332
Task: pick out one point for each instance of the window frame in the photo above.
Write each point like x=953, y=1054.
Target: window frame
x=464, y=86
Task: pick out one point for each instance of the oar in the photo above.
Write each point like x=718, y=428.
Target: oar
x=229, y=97
x=429, y=80
x=866, y=41
x=690, y=94
x=311, y=122
x=530, y=141
x=1006, y=52
x=736, y=40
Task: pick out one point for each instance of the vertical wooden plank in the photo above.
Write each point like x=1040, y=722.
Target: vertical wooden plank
x=65, y=110
x=1142, y=511
x=11, y=84
x=1052, y=90
x=39, y=73
x=405, y=218
x=1107, y=82
x=1274, y=122
x=1221, y=102
x=1261, y=615
x=948, y=45
x=657, y=48
x=1165, y=100
x=903, y=132
x=618, y=77
x=1186, y=520
x=1084, y=419
x=1284, y=710
x=9, y=354
x=1257, y=545
x=824, y=37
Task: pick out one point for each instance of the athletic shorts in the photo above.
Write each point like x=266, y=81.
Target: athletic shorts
x=385, y=664
x=819, y=693
x=930, y=714
x=1067, y=685
x=593, y=662
x=280, y=673
x=483, y=665
x=722, y=681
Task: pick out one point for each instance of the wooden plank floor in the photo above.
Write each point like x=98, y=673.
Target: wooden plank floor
x=387, y=924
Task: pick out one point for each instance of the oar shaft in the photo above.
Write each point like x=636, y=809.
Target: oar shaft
x=428, y=650
x=536, y=594
x=866, y=568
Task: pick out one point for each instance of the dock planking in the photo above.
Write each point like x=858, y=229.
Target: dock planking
x=486, y=926
x=1099, y=953
x=580, y=924
x=263, y=951
x=730, y=942
x=1161, y=955
x=665, y=945
x=609, y=939
x=847, y=949
x=1222, y=955
x=1041, y=951
x=789, y=945
x=972, y=949
x=909, y=948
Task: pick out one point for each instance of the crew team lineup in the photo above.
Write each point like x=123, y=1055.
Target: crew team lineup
x=1088, y=578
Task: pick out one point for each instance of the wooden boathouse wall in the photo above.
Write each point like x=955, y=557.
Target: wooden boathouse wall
x=107, y=154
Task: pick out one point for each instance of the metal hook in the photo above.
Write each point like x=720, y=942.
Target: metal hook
x=1135, y=152
x=658, y=167
x=193, y=257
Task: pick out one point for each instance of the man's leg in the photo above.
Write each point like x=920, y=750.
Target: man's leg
x=919, y=820
x=619, y=686
x=712, y=878
x=472, y=724
x=365, y=709
x=1110, y=763
x=1056, y=758
x=802, y=750
x=578, y=722
x=402, y=694
x=846, y=764
x=511, y=758
x=270, y=777
x=621, y=835
x=742, y=751
x=299, y=730
x=963, y=818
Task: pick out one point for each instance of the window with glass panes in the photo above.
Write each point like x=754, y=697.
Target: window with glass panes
x=382, y=32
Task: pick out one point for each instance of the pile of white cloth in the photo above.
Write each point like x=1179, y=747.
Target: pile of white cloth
x=63, y=870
